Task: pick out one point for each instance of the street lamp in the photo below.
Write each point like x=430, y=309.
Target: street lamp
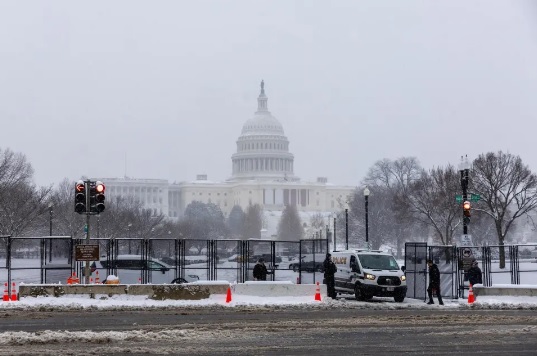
x=366, y=195
x=129, y=236
x=335, y=231
x=50, y=232
x=346, y=226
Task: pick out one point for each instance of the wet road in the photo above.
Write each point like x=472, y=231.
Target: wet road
x=269, y=331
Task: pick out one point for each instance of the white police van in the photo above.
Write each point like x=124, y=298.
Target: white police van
x=368, y=274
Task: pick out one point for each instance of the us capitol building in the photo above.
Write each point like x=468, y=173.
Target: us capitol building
x=262, y=173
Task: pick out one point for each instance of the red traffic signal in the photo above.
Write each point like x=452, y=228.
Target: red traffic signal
x=466, y=206
x=97, y=197
x=99, y=187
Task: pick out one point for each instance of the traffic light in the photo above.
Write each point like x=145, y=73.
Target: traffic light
x=97, y=197
x=80, y=197
x=466, y=209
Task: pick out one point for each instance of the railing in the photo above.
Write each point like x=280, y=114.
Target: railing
x=51, y=259
x=500, y=264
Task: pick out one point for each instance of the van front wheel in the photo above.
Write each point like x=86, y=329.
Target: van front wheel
x=359, y=293
x=399, y=298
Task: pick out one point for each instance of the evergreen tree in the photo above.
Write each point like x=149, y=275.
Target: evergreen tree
x=253, y=222
x=235, y=221
x=290, y=226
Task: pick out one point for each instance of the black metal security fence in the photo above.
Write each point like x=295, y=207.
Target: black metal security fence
x=51, y=259
x=507, y=264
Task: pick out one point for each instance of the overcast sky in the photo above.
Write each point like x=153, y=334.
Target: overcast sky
x=169, y=84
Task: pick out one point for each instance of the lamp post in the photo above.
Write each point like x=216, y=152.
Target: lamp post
x=346, y=226
x=129, y=236
x=366, y=196
x=335, y=232
x=50, y=232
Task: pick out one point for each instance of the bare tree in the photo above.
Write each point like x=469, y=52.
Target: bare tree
x=21, y=201
x=398, y=174
x=382, y=223
x=317, y=222
x=431, y=201
x=387, y=179
x=507, y=188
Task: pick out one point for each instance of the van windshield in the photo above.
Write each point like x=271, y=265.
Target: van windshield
x=378, y=262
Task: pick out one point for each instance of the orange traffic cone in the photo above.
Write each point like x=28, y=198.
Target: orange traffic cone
x=228, y=296
x=14, y=293
x=6, y=295
x=318, y=292
x=97, y=279
x=471, y=297
x=75, y=279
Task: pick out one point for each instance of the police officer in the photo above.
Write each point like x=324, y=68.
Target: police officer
x=329, y=271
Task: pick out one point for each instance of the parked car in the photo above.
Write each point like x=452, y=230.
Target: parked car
x=309, y=263
x=129, y=269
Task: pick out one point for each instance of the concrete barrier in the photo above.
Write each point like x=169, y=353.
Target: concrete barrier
x=506, y=289
x=189, y=291
x=277, y=289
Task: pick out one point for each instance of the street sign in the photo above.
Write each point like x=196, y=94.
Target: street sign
x=464, y=240
x=87, y=252
x=472, y=197
x=467, y=259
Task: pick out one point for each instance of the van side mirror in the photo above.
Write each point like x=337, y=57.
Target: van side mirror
x=403, y=268
x=354, y=267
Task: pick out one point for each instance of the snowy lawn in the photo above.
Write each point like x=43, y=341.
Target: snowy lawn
x=127, y=302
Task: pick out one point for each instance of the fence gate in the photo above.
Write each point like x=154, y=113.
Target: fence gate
x=445, y=257
x=416, y=269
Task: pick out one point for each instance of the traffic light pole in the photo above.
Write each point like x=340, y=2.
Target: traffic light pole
x=464, y=185
x=88, y=213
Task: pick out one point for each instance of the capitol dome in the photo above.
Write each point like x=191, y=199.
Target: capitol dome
x=262, y=148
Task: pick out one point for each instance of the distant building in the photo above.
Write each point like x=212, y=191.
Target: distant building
x=262, y=173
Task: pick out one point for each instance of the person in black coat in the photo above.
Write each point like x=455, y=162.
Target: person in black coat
x=434, y=282
x=260, y=270
x=474, y=274
x=329, y=272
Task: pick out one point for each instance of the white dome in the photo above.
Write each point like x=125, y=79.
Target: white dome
x=263, y=123
x=262, y=148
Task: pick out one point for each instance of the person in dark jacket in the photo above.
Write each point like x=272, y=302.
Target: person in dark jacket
x=474, y=274
x=434, y=282
x=329, y=272
x=260, y=270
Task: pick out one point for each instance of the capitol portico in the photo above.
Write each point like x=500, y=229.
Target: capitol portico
x=261, y=173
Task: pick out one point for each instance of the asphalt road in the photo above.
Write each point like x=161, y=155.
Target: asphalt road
x=269, y=331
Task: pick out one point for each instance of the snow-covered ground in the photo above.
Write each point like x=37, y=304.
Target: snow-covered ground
x=219, y=301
